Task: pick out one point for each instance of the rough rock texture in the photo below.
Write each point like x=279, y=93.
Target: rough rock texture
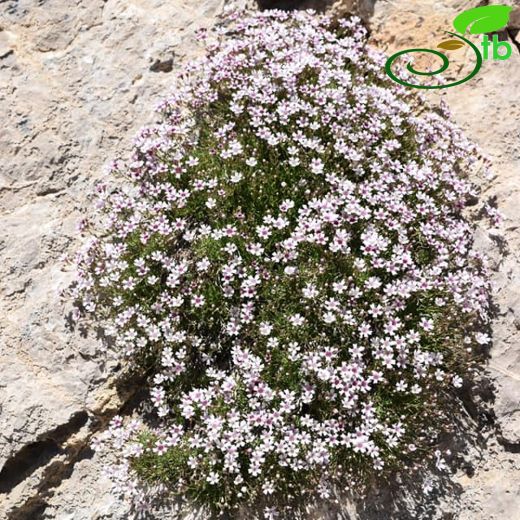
x=76, y=82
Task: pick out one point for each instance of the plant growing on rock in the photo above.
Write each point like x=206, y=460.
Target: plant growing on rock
x=285, y=256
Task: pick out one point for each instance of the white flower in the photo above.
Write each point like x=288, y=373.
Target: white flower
x=482, y=339
x=317, y=166
x=213, y=478
x=457, y=381
x=198, y=300
x=236, y=177
x=203, y=265
x=297, y=320
x=265, y=328
x=310, y=291
x=329, y=317
x=426, y=324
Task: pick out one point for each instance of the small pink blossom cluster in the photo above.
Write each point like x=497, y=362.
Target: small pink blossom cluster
x=286, y=257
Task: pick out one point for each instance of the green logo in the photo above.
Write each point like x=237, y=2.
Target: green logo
x=479, y=20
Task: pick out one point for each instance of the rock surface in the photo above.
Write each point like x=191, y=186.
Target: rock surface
x=75, y=85
x=76, y=82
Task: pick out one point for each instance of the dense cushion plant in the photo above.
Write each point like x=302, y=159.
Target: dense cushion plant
x=285, y=258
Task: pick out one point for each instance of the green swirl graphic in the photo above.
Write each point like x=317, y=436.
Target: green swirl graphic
x=442, y=68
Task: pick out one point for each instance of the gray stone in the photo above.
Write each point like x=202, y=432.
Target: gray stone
x=75, y=86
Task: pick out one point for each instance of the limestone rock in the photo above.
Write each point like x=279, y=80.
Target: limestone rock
x=76, y=82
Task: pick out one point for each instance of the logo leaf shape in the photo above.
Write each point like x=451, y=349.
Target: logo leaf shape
x=488, y=18
x=451, y=45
